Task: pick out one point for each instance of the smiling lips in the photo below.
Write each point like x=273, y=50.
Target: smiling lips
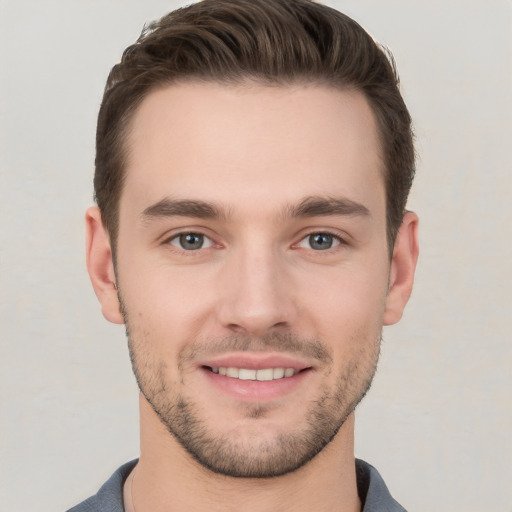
x=256, y=377
x=264, y=374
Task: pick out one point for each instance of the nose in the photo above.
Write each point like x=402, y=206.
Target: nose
x=257, y=293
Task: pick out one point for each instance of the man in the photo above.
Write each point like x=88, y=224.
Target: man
x=253, y=164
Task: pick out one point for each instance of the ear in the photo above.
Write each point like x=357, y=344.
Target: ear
x=100, y=266
x=403, y=265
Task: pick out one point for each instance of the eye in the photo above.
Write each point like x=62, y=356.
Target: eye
x=320, y=241
x=191, y=241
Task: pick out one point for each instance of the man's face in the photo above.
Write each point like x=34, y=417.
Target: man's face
x=252, y=267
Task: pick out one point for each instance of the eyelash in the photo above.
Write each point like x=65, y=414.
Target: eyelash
x=178, y=236
x=337, y=239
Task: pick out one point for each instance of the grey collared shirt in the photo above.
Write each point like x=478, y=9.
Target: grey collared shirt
x=372, y=490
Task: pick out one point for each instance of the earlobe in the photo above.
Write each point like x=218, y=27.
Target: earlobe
x=403, y=266
x=100, y=266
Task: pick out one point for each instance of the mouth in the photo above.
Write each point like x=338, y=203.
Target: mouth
x=263, y=374
x=256, y=377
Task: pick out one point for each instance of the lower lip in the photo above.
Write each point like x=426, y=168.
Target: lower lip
x=255, y=390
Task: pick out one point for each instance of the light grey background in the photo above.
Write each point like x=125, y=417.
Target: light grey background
x=438, y=420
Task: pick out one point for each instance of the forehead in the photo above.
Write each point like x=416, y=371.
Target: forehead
x=236, y=144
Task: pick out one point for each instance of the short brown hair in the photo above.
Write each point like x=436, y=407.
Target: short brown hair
x=275, y=42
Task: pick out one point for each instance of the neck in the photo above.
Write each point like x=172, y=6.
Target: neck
x=168, y=479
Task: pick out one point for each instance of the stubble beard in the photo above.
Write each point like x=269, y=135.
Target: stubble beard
x=255, y=457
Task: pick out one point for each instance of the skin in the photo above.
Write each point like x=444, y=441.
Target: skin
x=257, y=155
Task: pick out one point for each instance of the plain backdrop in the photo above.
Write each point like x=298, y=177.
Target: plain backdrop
x=438, y=421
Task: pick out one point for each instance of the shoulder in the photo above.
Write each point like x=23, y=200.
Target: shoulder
x=110, y=497
x=372, y=490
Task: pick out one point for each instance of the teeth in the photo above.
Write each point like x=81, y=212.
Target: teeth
x=244, y=374
x=261, y=375
x=278, y=373
x=267, y=374
x=232, y=372
x=289, y=372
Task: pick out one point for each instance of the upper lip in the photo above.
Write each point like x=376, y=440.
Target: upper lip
x=255, y=361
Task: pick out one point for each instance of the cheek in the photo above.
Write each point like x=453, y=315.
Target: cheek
x=167, y=305
x=346, y=299
x=346, y=314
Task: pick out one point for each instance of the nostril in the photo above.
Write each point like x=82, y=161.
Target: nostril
x=237, y=328
x=254, y=328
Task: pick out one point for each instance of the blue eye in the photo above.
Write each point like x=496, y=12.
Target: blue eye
x=191, y=241
x=320, y=241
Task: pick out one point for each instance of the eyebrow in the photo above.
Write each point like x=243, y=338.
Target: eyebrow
x=317, y=206
x=169, y=207
x=313, y=206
